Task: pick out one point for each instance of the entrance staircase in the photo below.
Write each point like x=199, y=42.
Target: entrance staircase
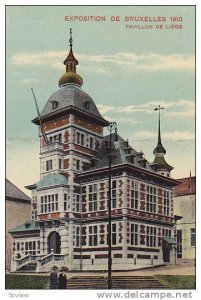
x=34, y=263
x=118, y=282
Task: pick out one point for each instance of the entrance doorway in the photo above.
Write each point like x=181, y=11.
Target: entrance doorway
x=166, y=251
x=54, y=242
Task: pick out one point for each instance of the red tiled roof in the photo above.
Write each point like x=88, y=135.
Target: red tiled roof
x=186, y=187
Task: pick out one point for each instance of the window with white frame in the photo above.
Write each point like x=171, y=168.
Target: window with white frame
x=30, y=248
x=134, y=234
x=55, y=138
x=91, y=143
x=60, y=163
x=113, y=193
x=65, y=202
x=80, y=138
x=113, y=234
x=166, y=232
x=151, y=199
x=151, y=236
x=49, y=203
x=166, y=202
x=193, y=242
x=48, y=165
x=93, y=235
x=134, y=195
x=93, y=197
x=78, y=164
x=77, y=204
x=77, y=236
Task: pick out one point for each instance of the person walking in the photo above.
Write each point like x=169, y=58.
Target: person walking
x=63, y=278
x=54, y=278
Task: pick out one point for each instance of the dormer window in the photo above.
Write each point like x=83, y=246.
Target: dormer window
x=55, y=104
x=87, y=105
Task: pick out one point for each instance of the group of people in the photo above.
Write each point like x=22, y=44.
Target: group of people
x=58, y=282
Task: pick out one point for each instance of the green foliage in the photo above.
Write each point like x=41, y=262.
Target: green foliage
x=14, y=281
x=178, y=281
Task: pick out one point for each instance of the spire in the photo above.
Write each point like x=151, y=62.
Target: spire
x=159, y=148
x=70, y=60
x=71, y=40
x=162, y=166
x=70, y=77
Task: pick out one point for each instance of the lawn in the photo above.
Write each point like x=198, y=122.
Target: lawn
x=178, y=281
x=14, y=281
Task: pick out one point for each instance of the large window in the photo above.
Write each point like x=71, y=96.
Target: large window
x=65, y=202
x=93, y=239
x=151, y=236
x=91, y=142
x=113, y=234
x=49, y=203
x=179, y=243
x=80, y=138
x=113, y=193
x=134, y=195
x=77, y=236
x=93, y=198
x=48, y=165
x=151, y=199
x=166, y=202
x=192, y=236
x=134, y=234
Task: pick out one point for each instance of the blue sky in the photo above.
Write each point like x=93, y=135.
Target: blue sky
x=127, y=72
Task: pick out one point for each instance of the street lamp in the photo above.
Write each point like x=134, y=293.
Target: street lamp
x=112, y=127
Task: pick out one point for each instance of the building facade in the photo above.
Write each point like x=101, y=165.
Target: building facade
x=18, y=210
x=184, y=205
x=69, y=223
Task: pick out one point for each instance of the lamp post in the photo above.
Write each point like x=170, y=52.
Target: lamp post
x=112, y=127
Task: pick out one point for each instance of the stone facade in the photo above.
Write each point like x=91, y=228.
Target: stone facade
x=184, y=206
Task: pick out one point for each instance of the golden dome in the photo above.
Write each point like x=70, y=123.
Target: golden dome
x=70, y=77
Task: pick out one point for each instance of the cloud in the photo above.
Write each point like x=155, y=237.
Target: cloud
x=175, y=136
x=29, y=80
x=179, y=108
x=146, y=62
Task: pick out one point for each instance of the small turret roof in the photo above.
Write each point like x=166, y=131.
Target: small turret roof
x=51, y=180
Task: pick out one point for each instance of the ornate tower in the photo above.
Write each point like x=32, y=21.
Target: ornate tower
x=74, y=129
x=162, y=166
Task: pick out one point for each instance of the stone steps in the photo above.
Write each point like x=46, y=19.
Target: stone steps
x=124, y=282
x=30, y=267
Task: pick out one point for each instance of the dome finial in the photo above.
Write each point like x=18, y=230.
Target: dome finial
x=71, y=76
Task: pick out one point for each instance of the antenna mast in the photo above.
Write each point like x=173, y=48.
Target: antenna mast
x=41, y=125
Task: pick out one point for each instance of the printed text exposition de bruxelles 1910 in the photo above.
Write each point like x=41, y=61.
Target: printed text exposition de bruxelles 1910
x=118, y=18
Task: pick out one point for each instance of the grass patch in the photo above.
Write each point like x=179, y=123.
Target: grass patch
x=15, y=282
x=178, y=281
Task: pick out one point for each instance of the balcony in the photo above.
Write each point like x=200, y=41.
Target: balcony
x=57, y=146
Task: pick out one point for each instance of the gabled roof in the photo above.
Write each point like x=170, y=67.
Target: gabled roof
x=14, y=193
x=187, y=186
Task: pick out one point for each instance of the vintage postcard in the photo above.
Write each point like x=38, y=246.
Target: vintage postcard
x=100, y=149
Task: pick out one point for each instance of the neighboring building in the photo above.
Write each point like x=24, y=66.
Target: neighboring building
x=69, y=203
x=18, y=210
x=184, y=205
